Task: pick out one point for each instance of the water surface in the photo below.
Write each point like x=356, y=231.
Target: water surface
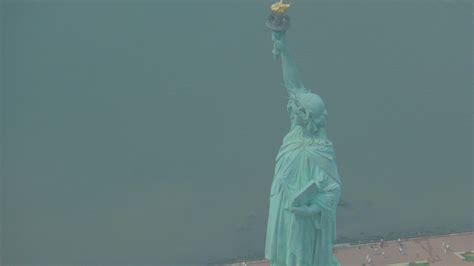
x=145, y=132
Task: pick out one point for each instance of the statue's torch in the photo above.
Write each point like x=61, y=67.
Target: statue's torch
x=278, y=22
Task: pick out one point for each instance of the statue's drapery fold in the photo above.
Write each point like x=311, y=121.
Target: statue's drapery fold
x=292, y=239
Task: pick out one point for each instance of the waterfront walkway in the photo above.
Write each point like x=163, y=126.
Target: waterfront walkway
x=444, y=250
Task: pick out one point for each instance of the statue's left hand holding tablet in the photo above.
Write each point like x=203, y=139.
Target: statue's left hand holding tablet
x=305, y=210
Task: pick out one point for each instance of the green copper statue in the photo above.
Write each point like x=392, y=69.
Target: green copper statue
x=306, y=188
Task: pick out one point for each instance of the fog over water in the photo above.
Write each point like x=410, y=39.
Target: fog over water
x=145, y=132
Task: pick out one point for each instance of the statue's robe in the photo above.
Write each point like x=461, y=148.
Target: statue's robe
x=293, y=240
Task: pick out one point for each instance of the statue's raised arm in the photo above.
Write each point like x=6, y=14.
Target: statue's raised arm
x=279, y=23
x=291, y=76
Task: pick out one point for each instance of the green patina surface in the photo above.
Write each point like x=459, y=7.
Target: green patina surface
x=468, y=256
x=301, y=226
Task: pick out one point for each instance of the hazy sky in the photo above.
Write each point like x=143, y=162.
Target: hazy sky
x=146, y=132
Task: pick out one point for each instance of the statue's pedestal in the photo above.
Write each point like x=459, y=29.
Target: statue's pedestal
x=414, y=251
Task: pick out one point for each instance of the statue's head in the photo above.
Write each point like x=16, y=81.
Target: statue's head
x=307, y=110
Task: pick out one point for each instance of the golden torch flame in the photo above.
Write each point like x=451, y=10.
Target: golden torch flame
x=280, y=7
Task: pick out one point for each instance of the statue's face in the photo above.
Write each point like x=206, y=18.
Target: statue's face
x=297, y=114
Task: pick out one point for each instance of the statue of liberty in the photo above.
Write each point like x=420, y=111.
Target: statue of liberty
x=306, y=188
